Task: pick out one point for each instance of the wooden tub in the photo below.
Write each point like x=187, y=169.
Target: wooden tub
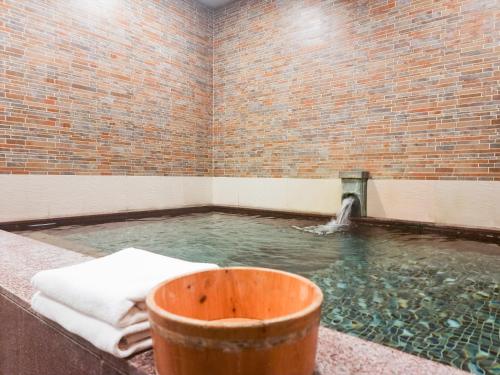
x=235, y=321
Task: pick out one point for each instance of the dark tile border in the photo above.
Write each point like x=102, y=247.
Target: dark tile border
x=472, y=233
x=97, y=219
x=478, y=234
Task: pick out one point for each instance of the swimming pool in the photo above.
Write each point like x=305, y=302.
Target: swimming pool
x=429, y=295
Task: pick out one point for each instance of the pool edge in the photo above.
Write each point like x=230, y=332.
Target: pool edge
x=476, y=233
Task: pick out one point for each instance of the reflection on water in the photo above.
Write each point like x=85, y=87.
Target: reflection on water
x=428, y=295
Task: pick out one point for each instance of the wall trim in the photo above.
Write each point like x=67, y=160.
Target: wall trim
x=35, y=197
x=28, y=198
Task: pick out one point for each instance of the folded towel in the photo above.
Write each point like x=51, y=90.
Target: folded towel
x=121, y=342
x=113, y=288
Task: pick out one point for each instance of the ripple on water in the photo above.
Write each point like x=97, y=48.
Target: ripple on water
x=424, y=294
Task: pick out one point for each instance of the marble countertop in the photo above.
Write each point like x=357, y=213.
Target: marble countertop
x=338, y=353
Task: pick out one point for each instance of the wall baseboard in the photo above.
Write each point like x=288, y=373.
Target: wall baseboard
x=35, y=197
x=24, y=198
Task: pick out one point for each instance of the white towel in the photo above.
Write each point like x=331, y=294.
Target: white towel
x=104, y=336
x=112, y=288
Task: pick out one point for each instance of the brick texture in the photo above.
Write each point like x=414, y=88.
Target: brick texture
x=299, y=88
x=403, y=89
x=105, y=87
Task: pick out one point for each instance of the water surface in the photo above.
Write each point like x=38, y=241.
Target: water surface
x=428, y=295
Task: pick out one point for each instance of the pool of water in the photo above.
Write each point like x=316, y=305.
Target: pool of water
x=428, y=295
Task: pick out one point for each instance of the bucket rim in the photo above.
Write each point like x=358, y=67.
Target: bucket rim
x=217, y=324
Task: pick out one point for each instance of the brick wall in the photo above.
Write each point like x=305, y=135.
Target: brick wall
x=105, y=87
x=403, y=89
x=302, y=88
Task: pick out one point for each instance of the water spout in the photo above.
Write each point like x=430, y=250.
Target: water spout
x=349, y=204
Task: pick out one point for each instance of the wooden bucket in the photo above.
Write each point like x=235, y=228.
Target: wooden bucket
x=235, y=321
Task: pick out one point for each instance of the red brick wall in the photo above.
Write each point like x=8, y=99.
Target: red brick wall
x=105, y=87
x=403, y=89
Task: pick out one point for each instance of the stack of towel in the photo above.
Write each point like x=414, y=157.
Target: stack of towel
x=103, y=300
